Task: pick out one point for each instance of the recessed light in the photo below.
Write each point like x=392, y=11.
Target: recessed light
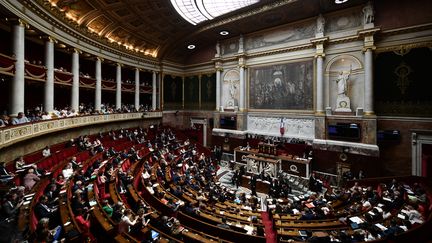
x=340, y=1
x=190, y=47
x=224, y=32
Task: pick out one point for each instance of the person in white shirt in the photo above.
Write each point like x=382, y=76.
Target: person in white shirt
x=46, y=116
x=126, y=221
x=46, y=152
x=67, y=171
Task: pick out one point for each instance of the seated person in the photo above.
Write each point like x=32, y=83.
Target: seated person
x=45, y=234
x=5, y=175
x=127, y=220
x=43, y=210
x=30, y=179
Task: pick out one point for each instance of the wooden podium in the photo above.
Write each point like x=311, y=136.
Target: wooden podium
x=267, y=148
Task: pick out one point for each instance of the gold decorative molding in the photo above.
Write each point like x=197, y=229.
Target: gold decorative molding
x=405, y=30
x=57, y=19
x=404, y=48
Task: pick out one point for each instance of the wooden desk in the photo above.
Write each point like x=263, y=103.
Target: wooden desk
x=261, y=186
x=258, y=165
x=289, y=164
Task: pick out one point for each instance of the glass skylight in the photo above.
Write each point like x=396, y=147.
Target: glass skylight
x=197, y=11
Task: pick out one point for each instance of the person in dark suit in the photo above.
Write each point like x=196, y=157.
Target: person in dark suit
x=52, y=194
x=5, y=176
x=42, y=210
x=11, y=207
x=253, y=185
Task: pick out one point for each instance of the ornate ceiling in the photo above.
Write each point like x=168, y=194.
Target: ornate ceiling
x=153, y=27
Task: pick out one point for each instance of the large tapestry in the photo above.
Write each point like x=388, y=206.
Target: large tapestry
x=172, y=92
x=191, y=93
x=284, y=87
x=402, y=82
x=208, y=91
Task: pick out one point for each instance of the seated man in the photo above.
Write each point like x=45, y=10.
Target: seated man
x=5, y=176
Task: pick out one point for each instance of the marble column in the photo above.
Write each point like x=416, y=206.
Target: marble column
x=154, y=91
x=75, y=80
x=205, y=134
x=159, y=94
x=49, y=84
x=98, y=88
x=320, y=85
x=137, y=89
x=118, y=86
x=368, y=89
x=218, y=88
x=242, y=88
x=18, y=82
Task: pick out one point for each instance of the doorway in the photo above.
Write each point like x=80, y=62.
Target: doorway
x=422, y=154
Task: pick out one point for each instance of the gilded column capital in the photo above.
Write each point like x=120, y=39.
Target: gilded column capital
x=368, y=37
x=48, y=38
x=319, y=45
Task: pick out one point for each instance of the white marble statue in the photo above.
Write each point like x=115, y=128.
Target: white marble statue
x=217, y=49
x=342, y=81
x=241, y=44
x=320, y=24
x=368, y=14
x=232, y=89
x=343, y=103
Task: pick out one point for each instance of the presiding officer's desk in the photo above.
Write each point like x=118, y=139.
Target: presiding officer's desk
x=289, y=164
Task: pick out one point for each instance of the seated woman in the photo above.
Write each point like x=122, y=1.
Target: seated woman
x=45, y=234
x=30, y=179
x=83, y=222
x=127, y=220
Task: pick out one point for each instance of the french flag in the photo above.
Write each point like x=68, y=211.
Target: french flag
x=282, y=127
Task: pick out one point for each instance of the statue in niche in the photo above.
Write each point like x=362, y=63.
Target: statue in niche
x=217, y=49
x=232, y=89
x=368, y=14
x=342, y=82
x=343, y=101
x=241, y=44
x=320, y=25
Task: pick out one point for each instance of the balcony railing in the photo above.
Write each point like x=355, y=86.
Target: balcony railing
x=13, y=134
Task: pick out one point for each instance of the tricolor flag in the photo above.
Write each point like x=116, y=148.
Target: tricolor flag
x=282, y=127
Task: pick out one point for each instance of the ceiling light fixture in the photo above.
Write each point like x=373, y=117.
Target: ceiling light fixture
x=191, y=47
x=224, y=32
x=340, y=1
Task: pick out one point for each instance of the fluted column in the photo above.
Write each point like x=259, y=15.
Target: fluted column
x=320, y=85
x=118, y=86
x=368, y=89
x=218, y=88
x=49, y=84
x=154, y=91
x=98, y=89
x=242, y=88
x=137, y=89
x=18, y=83
x=75, y=80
